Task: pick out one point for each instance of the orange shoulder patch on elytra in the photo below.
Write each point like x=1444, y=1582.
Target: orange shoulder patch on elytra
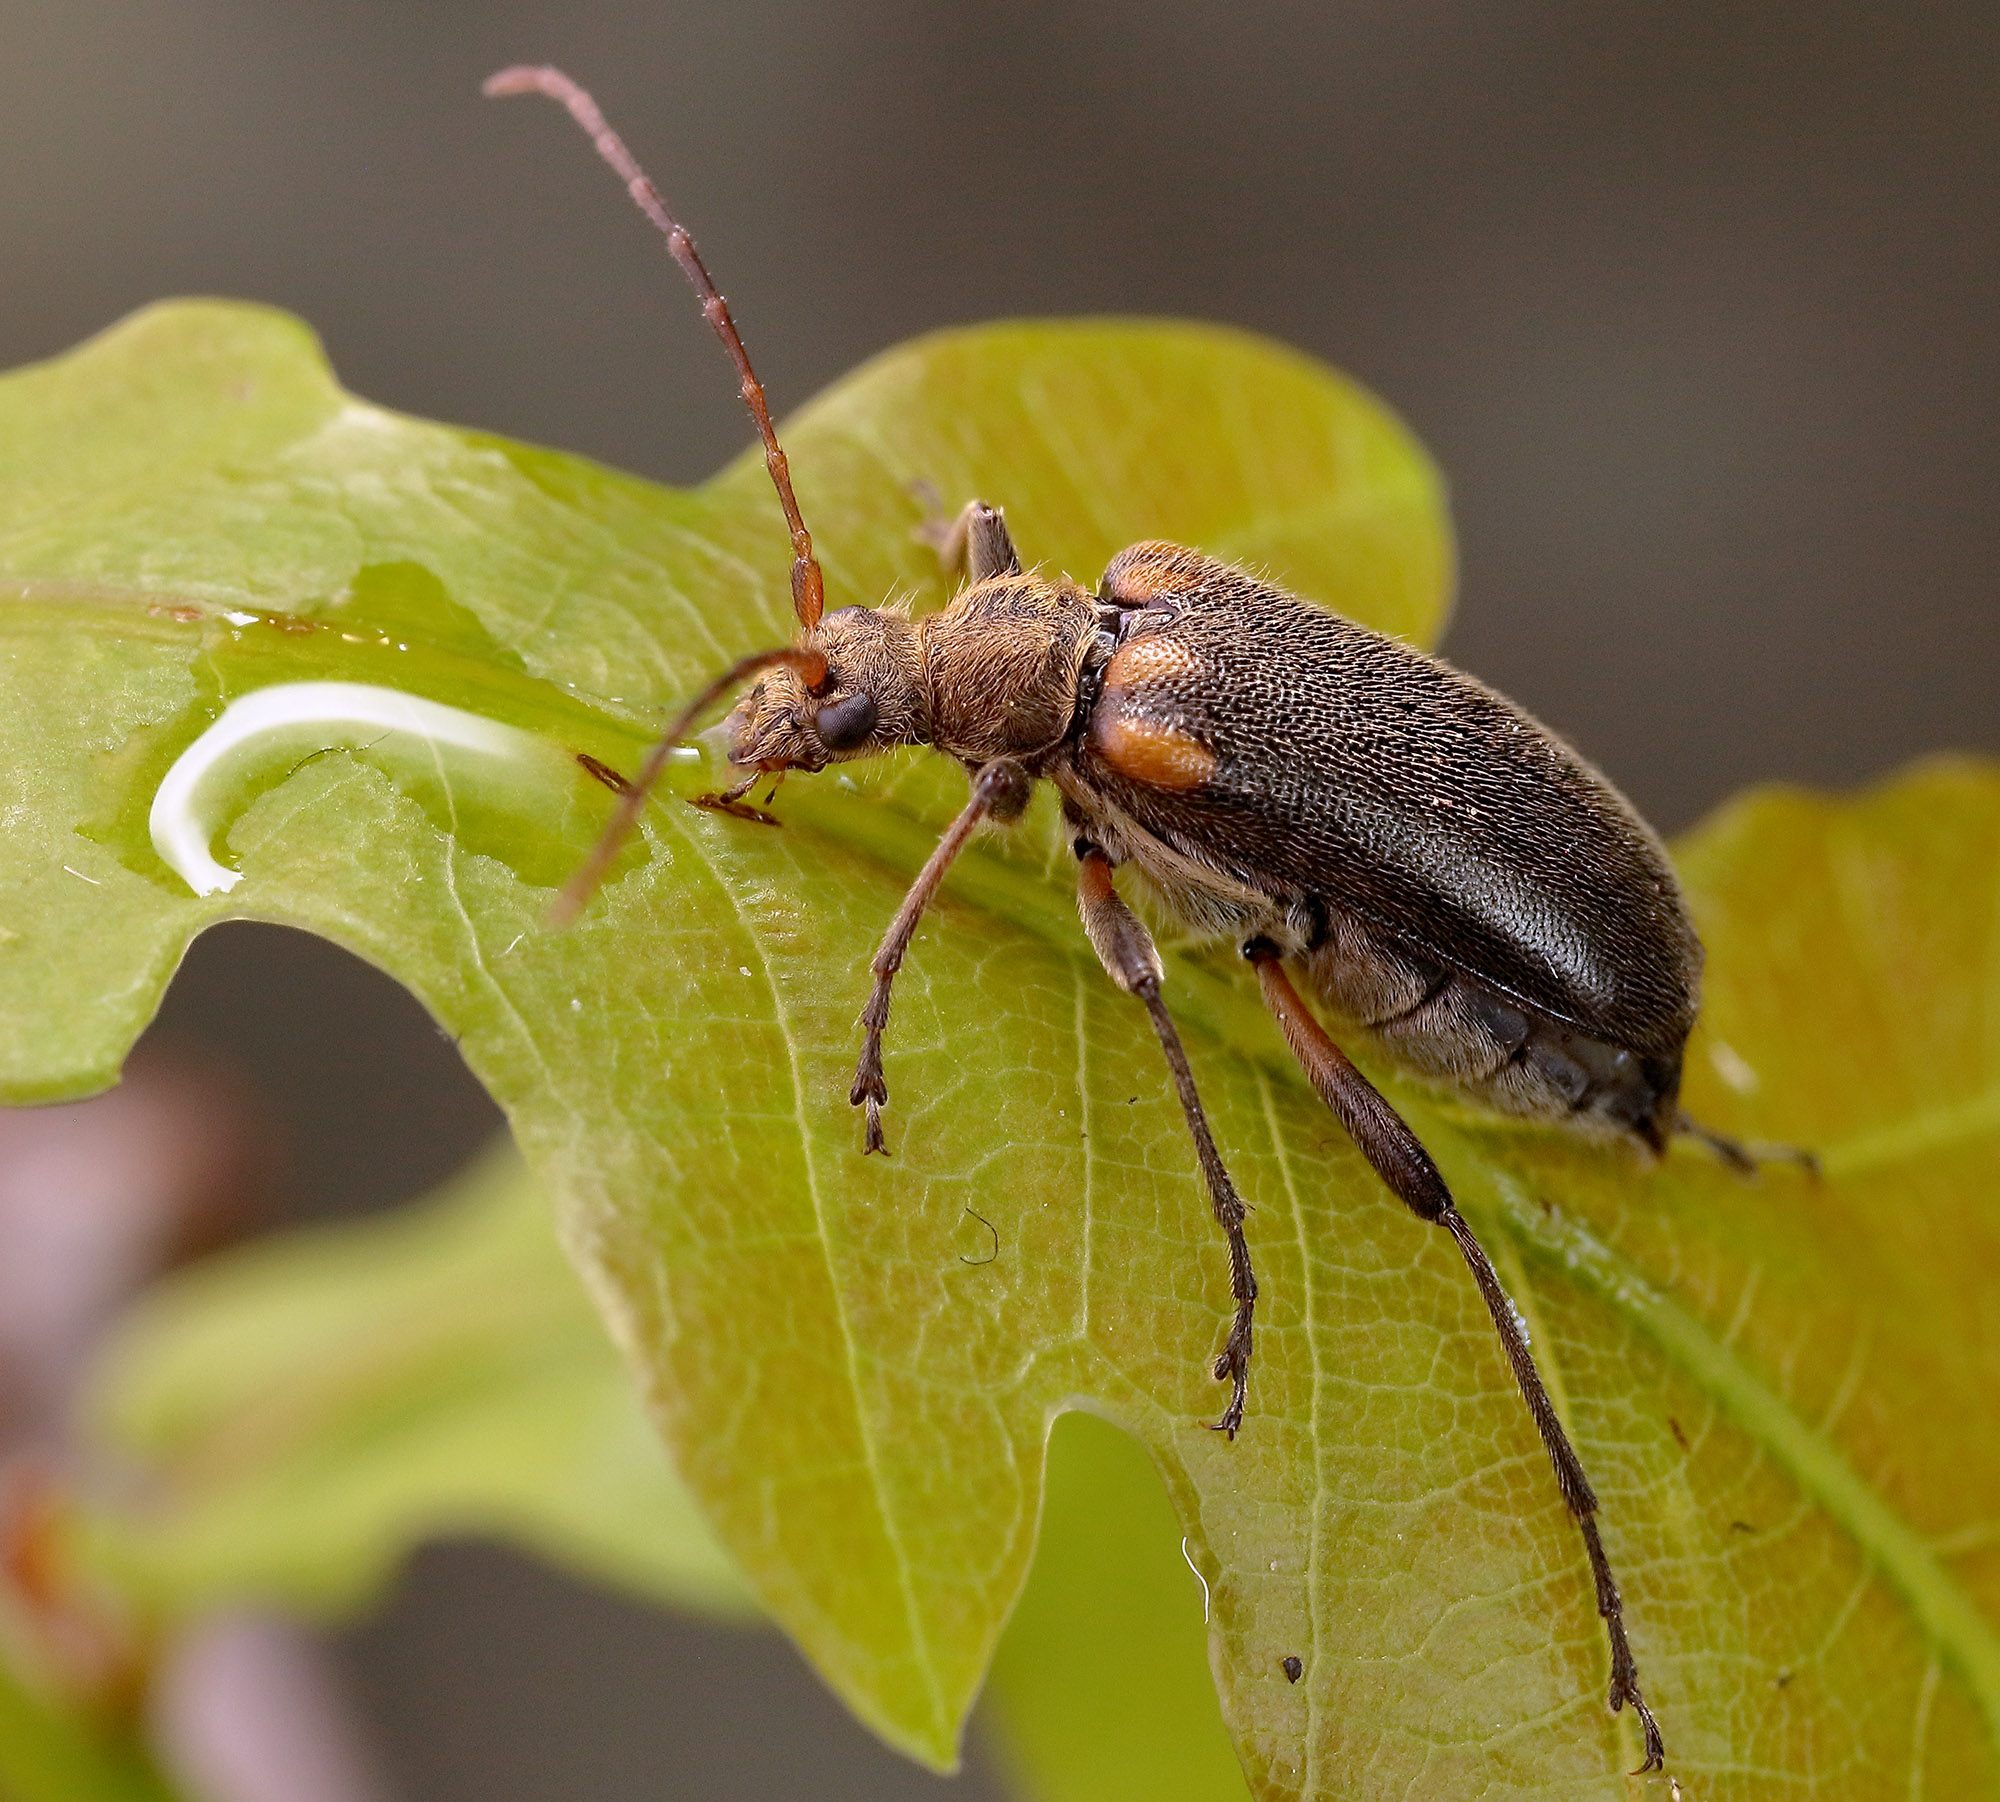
x=1150, y=659
x=1147, y=752
x=1146, y=571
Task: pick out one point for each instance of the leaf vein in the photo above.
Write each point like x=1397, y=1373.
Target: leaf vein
x=1895, y=1551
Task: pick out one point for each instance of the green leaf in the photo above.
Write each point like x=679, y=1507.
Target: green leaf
x=199, y=464
x=855, y=1378
x=307, y=1409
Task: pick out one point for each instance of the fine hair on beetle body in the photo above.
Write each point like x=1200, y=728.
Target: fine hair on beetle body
x=1452, y=883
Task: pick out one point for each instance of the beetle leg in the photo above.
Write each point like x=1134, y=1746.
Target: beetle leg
x=976, y=543
x=999, y=791
x=1126, y=949
x=1401, y=1161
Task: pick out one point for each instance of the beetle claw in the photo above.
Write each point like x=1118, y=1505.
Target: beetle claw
x=1232, y=1365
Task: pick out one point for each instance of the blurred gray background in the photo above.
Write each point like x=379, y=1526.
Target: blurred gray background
x=1695, y=304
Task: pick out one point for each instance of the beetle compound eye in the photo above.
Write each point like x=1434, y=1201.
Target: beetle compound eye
x=844, y=724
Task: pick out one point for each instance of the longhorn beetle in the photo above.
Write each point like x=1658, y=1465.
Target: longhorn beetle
x=1448, y=877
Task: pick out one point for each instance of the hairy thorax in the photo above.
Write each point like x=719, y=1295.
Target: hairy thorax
x=1002, y=667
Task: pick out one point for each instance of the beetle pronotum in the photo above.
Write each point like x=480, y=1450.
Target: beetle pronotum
x=1449, y=878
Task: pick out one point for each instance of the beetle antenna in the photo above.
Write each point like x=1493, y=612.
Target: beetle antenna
x=808, y=588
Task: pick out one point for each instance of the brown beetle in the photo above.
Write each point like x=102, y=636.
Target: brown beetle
x=1449, y=878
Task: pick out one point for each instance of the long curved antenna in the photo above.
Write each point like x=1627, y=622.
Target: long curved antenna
x=808, y=588
x=632, y=800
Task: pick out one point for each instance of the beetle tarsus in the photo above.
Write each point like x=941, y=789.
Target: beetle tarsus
x=597, y=770
x=1232, y=1365
x=1624, y=1668
x=731, y=802
x=871, y=1088
x=1656, y=1747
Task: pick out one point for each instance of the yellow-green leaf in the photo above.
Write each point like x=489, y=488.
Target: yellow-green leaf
x=305, y=1410
x=855, y=1379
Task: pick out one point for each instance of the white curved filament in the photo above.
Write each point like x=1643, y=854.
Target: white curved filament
x=188, y=805
x=1198, y=1577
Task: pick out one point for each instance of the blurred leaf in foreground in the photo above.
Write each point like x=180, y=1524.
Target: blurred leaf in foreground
x=49, y=1755
x=1772, y=1382
x=303, y=1411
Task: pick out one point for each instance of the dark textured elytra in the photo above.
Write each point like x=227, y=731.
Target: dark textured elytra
x=1445, y=875
x=1457, y=879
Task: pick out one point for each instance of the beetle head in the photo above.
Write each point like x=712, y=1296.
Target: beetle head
x=870, y=699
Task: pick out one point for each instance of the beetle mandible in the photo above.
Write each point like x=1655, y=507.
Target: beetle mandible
x=1449, y=878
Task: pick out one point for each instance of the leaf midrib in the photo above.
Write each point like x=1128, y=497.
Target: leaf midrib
x=941, y=1715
